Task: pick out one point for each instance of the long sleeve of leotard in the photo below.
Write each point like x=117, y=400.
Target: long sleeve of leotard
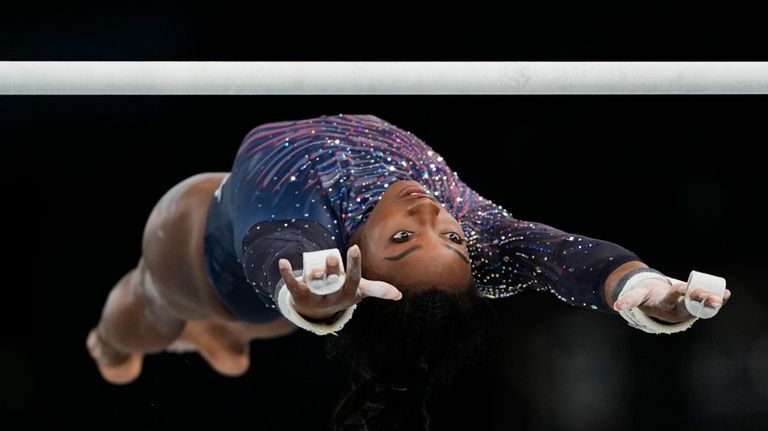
x=510, y=255
x=268, y=242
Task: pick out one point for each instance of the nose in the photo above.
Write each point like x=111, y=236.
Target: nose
x=424, y=207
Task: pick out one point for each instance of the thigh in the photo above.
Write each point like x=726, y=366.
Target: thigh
x=173, y=249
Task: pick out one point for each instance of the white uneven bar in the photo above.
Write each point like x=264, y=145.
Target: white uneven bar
x=253, y=78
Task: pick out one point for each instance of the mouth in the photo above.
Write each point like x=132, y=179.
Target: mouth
x=412, y=192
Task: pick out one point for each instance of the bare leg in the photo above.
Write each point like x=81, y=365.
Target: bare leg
x=225, y=344
x=134, y=321
x=168, y=295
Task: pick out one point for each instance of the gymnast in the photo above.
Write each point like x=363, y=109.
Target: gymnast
x=221, y=265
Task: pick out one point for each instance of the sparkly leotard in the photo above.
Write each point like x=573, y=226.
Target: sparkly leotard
x=308, y=185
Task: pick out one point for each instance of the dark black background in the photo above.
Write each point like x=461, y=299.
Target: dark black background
x=606, y=30
x=677, y=179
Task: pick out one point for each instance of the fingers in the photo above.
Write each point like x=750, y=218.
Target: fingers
x=672, y=298
x=332, y=265
x=358, y=287
x=709, y=299
x=294, y=286
x=316, y=274
x=332, y=269
x=353, y=272
x=633, y=298
x=318, y=279
x=378, y=289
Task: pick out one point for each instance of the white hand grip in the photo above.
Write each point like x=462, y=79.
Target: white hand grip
x=715, y=285
x=329, y=283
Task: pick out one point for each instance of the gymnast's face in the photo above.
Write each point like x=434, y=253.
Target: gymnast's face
x=410, y=239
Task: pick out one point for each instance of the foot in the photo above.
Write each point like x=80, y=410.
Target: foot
x=220, y=343
x=115, y=367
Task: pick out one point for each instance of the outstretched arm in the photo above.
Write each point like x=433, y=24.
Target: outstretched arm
x=511, y=255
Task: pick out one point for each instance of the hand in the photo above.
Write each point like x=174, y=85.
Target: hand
x=665, y=301
x=355, y=288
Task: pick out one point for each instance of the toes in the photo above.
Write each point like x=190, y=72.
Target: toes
x=123, y=373
x=228, y=363
x=115, y=367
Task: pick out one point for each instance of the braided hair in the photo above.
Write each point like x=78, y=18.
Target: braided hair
x=399, y=354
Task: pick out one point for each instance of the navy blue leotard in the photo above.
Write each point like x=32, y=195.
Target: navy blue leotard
x=308, y=185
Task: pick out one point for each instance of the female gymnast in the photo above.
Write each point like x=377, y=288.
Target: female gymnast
x=222, y=254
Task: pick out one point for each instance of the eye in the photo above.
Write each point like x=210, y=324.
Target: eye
x=453, y=236
x=402, y=236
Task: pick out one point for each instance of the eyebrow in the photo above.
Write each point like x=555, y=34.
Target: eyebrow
x=416, y=247
x=403, y=254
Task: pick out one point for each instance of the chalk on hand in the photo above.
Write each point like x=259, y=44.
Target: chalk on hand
x=329, y=283
x=715, y=285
